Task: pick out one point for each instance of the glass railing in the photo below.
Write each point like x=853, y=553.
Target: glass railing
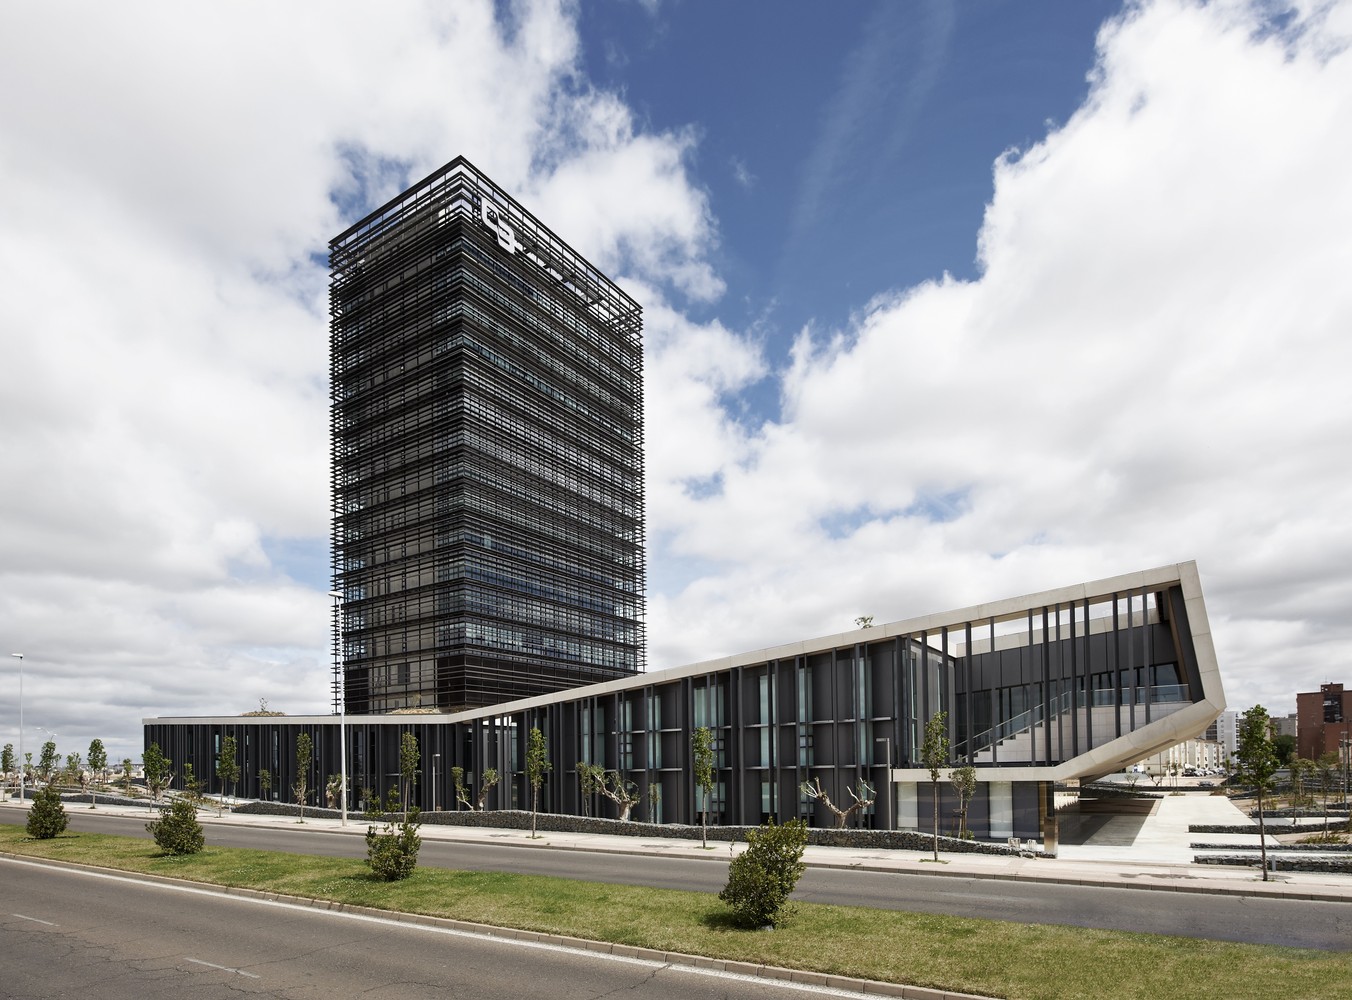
x=1162, y=694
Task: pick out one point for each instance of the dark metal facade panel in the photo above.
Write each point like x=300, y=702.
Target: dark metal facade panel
x=836, y=715
x=487, y=433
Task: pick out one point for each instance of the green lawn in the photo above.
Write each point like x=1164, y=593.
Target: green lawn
x=967, y=955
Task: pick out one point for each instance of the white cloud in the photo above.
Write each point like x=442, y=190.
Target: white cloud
x=1151, y=367
x=168, y=179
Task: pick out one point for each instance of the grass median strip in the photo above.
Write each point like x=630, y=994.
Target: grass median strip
x=962, y=954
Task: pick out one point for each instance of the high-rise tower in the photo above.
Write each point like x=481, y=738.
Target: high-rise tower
x=487, y=432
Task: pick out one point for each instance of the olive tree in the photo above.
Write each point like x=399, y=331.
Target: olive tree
x=863, y=795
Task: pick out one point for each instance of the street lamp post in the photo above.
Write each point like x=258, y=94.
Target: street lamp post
x=21, y=761
x=340, y=696
x=887, y=779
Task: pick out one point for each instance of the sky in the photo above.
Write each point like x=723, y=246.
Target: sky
x=943, y=303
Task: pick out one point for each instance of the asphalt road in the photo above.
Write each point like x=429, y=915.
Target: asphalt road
x=65, y=933
x=1253, y=919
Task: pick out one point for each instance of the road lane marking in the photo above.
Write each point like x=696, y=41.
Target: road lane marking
x=34, y=919
x=223, y=968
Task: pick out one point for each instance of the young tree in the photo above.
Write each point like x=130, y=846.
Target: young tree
x=1257, y=764
x=227, y=767
x=1301, y=771
x=409, y=757
x=47, y=817
x=48, y=762
x=97, y=759
x=73, y=770
x=933, y=756
x=654, y=800
x=702, y=762
x=157, y=768
x=7, y=760
x=192, y=788
x=126, y=776
x=1327, y=773
x=537, y=766
x=264, y=782
x=964, y=783
x=590, y=779
x=305, y=755
x=863, y=798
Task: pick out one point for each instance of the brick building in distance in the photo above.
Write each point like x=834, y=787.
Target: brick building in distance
x=1323, y=718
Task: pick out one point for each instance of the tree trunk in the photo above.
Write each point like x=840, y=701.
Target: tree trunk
x=1262, y=837
x=936, y=821
x=625, y=808
x=704, y=824
x=534, y=805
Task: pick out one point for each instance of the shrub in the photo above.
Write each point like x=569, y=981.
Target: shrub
x=47, y=817
x=178, y=832
x=761, y=878
x=392, y=852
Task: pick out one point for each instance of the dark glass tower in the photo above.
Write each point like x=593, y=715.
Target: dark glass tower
x=487, y=410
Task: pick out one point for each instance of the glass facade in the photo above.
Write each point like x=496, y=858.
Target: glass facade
x=487, y=428
x=1029, y=687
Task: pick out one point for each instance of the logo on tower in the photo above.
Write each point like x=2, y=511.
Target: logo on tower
x=494, y=218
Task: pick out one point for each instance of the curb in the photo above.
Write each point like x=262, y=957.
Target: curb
x=1257, y=889
x=1146, y=881
x=769, y=972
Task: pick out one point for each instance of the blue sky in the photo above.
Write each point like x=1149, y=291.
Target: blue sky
x=848, y=155
x=943, y=303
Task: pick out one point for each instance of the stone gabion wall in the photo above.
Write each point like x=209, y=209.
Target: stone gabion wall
x=1096, y=790
x=1338, y=866
x=1284, y=848
x=1301, y=813
x=504, y=819
x=1253, y=828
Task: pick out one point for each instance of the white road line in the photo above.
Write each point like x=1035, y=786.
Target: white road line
x=34, y=919
x=223, y=968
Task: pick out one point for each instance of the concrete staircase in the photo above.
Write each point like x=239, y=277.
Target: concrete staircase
x=1028, y=746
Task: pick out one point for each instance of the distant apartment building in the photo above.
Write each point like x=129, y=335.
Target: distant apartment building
x=1285, y=725
x=1225, y=732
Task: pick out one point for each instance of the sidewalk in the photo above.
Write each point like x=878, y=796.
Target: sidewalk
x=1132, y=852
